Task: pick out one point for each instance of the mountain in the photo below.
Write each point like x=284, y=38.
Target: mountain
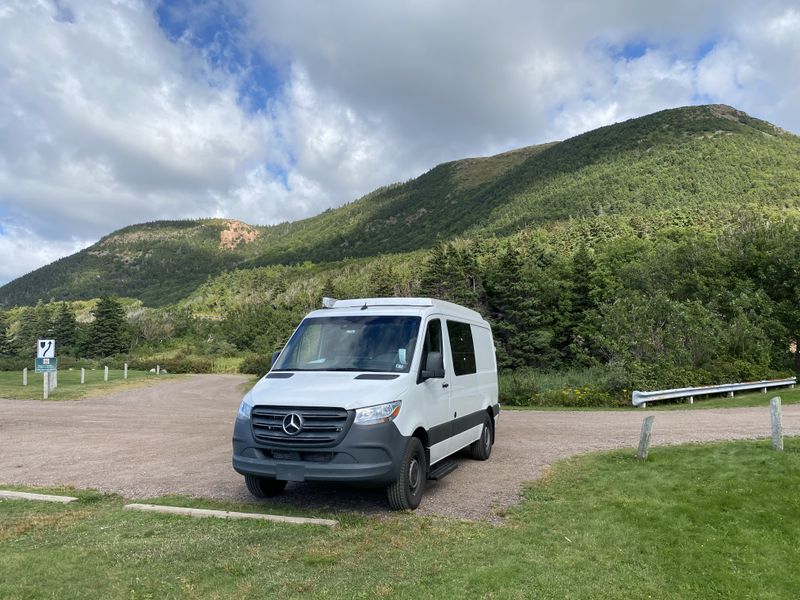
x=701, y=166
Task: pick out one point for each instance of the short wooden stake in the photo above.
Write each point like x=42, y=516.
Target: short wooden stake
x=25, y=376
x=644, y=439
x=777, y=425
x=83, y=375
x=125, y=371
x=105, y=373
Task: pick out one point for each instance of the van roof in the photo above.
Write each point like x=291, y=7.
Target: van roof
x=420, y=303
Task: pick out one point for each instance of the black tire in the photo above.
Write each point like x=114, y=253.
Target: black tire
x=406, y=492
x=264, y=487
x=481, y=449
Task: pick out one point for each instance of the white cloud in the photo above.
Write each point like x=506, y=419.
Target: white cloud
x=104, y=121
x=23, y=251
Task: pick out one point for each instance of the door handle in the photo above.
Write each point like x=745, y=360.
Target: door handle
x=444, y=385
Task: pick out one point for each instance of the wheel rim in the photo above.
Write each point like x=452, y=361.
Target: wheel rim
x=487, y=438
x=414, y=473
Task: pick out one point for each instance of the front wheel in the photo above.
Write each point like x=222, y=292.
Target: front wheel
x=406, y=492
x=264, y=487
x=481, y=449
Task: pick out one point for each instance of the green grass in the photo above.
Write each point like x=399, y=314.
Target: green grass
x=704, y=521
x=69, y=383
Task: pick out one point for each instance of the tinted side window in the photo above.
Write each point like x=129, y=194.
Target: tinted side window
x=460, y=335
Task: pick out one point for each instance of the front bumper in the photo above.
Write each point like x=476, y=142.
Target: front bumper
x=368, y=453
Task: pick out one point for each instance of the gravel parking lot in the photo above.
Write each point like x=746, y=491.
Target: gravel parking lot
x=174, y=437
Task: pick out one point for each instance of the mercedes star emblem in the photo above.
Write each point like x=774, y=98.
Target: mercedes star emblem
x=292, y=424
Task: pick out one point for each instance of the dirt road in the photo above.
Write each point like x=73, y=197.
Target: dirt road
x=175, y=438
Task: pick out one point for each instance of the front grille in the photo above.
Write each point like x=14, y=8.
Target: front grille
x=321, y=426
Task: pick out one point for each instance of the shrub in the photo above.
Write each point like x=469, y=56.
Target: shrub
x=256, y=364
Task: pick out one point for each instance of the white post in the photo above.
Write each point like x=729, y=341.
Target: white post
x=763, y=390
x=105, y=373
x=691, y=399
x=777, y=425
x=55, y=379
x=25, y=376
x=46, y=380
x=158, y=369
x=125, y=371
x=83, y=375
x=644, y=438
x=730, y=394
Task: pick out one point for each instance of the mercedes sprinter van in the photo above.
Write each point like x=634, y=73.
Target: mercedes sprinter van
x=375, y=390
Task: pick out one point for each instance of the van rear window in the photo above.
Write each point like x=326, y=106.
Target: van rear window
x=462, y=347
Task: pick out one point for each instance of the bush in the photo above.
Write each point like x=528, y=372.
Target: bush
x=180, y=363
x=256, y=364
x=578, y=388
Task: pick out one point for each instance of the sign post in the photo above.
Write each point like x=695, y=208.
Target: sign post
x=46, y=361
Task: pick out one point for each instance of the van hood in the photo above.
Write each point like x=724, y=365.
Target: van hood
x=344, y=389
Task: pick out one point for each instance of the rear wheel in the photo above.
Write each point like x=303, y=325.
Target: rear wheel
x=481, y=449
x=264, y=487
x=406, y=492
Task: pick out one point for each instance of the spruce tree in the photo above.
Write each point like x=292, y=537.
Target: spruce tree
x=65, y=328
x=108, y=333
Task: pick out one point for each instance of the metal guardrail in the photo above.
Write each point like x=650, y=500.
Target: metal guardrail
x=642, y=398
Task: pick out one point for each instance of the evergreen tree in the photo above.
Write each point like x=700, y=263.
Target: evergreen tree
x=5, y=342
x=65, y=328
x=108, y=333
x=451, y=273
x=582, y=318
x=382, y=280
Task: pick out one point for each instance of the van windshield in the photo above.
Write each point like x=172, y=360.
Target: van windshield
x=368, y=343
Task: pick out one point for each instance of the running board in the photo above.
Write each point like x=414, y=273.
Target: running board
x=442, y=469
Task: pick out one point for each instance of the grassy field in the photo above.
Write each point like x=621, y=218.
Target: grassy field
x=710, y=521
x=69, y=383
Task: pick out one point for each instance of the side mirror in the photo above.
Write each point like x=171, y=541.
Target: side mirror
x=434, y=367
x=275, y=356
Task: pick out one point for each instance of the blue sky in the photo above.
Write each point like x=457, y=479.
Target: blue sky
x=124, y=112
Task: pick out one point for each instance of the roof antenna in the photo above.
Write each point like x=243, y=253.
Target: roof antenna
x=364, y=307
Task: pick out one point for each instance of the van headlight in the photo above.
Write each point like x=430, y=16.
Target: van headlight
x=381, y=413
x=246, y=407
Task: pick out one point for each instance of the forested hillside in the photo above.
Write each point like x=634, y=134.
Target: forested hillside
x=698, y=166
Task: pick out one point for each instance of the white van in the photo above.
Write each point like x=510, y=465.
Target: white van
x=378, y=390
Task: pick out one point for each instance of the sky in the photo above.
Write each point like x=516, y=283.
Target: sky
x=125, y=111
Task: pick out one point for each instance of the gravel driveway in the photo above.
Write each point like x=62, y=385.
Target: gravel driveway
x=175, y=438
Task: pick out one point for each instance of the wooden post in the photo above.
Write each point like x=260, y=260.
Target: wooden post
x=644, y=438
x=105, y=373
x=46, y=384
x=777, y=425
x=125, y=371
x=83, y=375
x=25, y=376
